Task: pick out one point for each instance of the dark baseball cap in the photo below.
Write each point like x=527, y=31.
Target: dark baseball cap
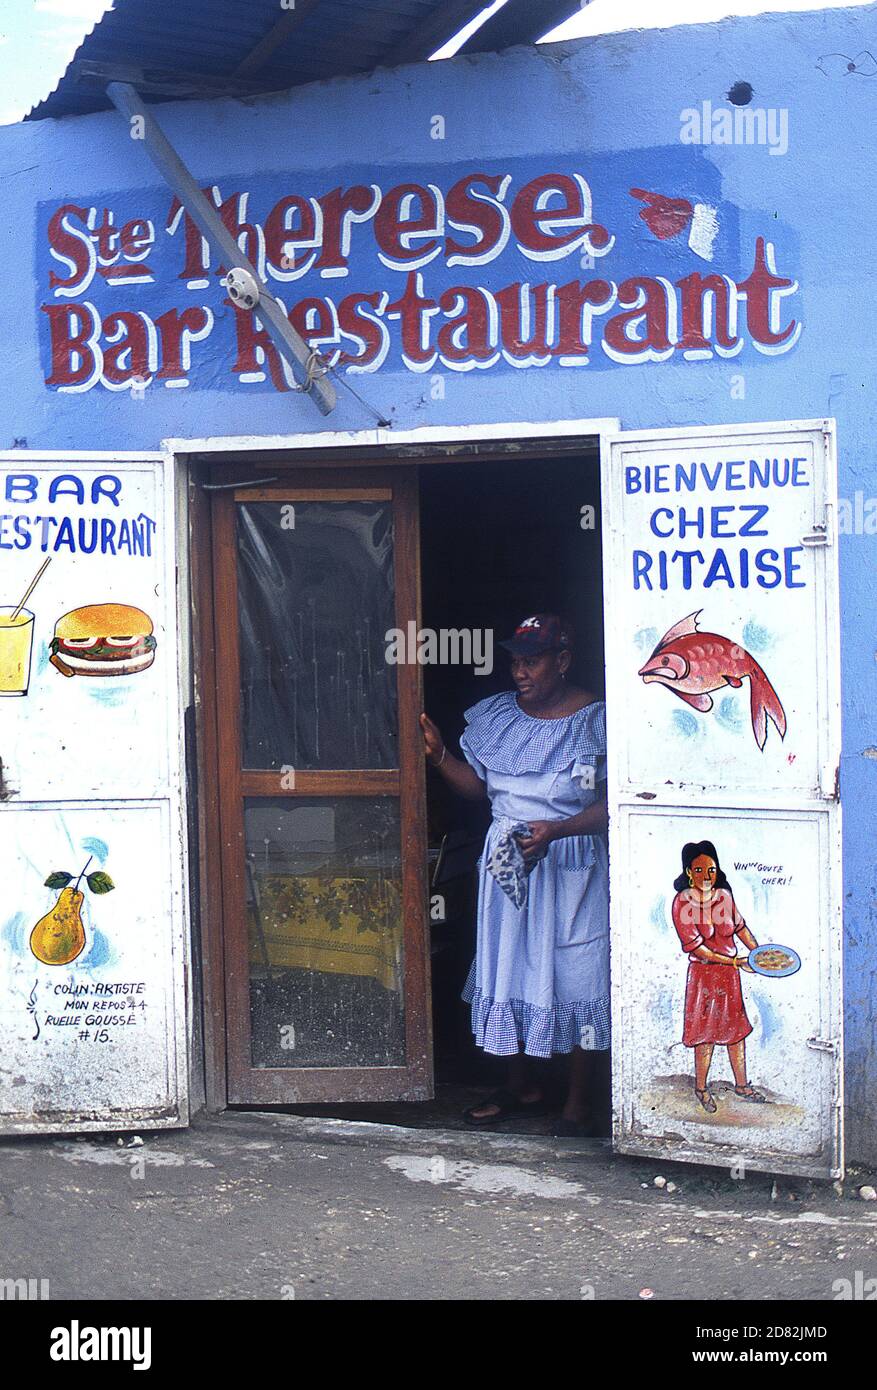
x=543, y=632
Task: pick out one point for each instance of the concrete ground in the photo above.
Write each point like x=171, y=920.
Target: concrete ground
x=268, y=1206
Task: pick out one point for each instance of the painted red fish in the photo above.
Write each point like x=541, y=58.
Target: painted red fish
x=692, y=663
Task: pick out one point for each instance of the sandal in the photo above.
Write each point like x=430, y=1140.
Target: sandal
x=707, y=1100
x=507, y=1104
x=748, y=1092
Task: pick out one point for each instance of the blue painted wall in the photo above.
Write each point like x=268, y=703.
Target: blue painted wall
x=609, y=108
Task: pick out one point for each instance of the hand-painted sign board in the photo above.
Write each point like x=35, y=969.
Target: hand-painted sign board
x=725, y=827
x=92, y=940
x=486, y=267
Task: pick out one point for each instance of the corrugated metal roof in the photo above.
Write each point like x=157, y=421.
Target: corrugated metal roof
x=521, y=24
x=178, y=49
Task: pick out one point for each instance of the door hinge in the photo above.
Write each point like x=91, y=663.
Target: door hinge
x=822, y=533
x=824, y=1044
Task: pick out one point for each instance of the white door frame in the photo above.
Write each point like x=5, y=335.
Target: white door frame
x=424, y=435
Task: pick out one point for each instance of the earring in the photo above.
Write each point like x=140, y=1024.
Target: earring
x=690, y=879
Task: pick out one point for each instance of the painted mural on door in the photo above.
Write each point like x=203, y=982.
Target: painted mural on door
x=730, y=924
x=92, y=946
x=724, y=819
x=693, y=664
x=87, y=966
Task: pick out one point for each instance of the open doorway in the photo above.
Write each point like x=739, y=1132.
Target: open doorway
x=499, y=540
x=303, y=568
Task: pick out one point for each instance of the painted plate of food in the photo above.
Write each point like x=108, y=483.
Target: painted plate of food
x=774, y=960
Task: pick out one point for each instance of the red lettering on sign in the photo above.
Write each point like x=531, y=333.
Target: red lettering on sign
x=196, y=253
x=410, y=309
x=232, y=211
x=72, y=248
x=282, y=241
x=106, y=236
x=313, y=320
x=759, y=288
x=250, y=339
x=649, y=307
x=468, y=336
x=362, y=327
x=73, y=328
x=414, y=316
x=127, y=358
x=576, y=303
x=174, y=328
x=693, y=291
x=530, y=304
x=467, y=211
x=248, y=235
x=395, y=228
x=538, y=222
x=136, y=238
x=341, y=207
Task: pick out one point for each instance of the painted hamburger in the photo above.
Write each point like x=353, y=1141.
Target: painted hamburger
x=103, y=639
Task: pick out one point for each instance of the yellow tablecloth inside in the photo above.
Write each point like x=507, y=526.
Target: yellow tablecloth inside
x=344, y=926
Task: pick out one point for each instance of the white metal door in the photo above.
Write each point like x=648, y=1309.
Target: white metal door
x=93, y=923
x=723, y=710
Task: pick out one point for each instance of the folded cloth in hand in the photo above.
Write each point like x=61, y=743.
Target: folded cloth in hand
x=506, y=860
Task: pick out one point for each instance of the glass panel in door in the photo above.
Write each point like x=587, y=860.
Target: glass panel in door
x=325, y=899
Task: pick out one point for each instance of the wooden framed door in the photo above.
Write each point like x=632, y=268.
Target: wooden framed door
x=321, y=789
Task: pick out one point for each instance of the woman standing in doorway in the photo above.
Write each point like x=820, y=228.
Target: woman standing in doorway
x=540, y=980
x=707, y=920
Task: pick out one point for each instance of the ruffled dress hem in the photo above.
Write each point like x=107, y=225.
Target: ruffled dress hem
x=500, y=1027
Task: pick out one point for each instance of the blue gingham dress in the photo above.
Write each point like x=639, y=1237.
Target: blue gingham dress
x=541, y=972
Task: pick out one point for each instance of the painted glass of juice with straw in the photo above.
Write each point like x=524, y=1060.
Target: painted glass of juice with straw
x=16, y=646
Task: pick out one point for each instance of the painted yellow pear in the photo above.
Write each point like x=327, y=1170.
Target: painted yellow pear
x=59, y=937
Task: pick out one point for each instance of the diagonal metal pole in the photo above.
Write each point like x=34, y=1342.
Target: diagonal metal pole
x=289, y=344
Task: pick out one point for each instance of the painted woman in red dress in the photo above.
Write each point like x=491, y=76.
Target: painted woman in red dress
x=707, y=920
